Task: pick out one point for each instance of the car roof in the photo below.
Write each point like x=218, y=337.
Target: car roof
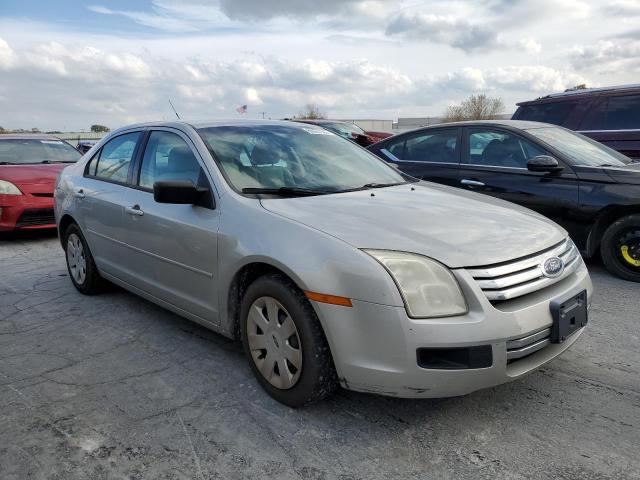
x=582, y=92
x=27, y=136
x=317, y=121
x=211, y=123
x=516, y=124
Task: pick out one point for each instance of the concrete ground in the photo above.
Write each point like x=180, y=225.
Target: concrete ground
x=114, y=387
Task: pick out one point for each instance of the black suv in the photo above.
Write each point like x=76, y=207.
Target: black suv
x=588, y=188
x=609, y=115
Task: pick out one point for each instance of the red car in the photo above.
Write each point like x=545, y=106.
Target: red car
x=348, y=130
x=29, y=166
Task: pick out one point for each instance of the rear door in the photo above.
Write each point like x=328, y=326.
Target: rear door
x=431, y=154
x=173, y=248
x=615, y=121
x=101, y=195
x=494, y=162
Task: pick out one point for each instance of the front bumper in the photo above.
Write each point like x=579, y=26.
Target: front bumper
x=26, y=212
x=375, y=346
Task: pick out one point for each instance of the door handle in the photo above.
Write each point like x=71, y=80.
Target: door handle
x=79, y=194
x=135, y=210
x=471, y=183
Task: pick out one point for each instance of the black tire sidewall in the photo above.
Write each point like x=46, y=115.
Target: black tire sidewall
x=609, y=244
x=91, y=283
x=317, y=378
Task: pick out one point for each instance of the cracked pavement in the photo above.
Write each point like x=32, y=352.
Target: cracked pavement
x=114, y=387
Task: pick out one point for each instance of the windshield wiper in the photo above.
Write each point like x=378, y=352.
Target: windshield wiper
x=380, y=185
x=367, y=186
x=286, y=191
x=8, y=163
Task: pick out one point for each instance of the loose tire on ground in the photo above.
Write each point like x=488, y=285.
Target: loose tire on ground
x=314, y=376
x=80, y=265
x=620, y=248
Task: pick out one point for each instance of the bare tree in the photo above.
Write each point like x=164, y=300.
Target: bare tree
x=311, y=112
x=476, y=107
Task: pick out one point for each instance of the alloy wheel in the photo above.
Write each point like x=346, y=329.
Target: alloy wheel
x=274, y=343
x=76, y=259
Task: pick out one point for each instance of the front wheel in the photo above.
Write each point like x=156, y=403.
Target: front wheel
x=620, y=248
x=285, y=343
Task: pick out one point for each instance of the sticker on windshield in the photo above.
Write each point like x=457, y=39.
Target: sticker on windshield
x=317, y=131
x=51, y=142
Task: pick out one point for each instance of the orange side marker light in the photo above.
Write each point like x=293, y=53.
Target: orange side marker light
x=330, y=299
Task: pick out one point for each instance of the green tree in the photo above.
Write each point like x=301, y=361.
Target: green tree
x=476, y=107
x=100, y=128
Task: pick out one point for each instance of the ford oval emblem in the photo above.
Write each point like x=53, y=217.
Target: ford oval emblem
x=553, y=267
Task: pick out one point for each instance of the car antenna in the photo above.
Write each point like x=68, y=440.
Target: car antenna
x=174, y=109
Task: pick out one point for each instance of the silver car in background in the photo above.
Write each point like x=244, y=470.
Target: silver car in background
x=332, y=267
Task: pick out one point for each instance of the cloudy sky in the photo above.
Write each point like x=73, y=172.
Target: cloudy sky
x=66, y=64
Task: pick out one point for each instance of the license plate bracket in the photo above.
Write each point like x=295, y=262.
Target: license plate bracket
x=569, y=316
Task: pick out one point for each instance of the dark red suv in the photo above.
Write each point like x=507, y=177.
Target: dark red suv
x=610, y=115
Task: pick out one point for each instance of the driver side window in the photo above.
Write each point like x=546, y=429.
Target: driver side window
x=500, y=149
x=168, y=157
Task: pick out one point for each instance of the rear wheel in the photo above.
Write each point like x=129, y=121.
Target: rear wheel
x=82, y=269
x=284, y=342
x=620, y=248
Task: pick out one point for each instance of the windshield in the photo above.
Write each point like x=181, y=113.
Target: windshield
x=277, y=156
x=582, y=150
x=344, y=129
x=29, y=151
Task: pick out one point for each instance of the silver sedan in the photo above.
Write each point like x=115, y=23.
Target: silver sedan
x=331, y=267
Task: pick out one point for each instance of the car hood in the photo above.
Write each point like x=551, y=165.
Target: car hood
x=628, y=174
x=455, y=227
x=39, y=174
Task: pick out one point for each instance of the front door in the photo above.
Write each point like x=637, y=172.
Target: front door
x=494, y=162
x=173, y=247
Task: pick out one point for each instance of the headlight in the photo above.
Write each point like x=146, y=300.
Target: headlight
x=8, y=188
x=428, y=288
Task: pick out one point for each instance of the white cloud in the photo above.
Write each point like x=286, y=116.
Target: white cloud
x=623, y=8
x=608, y=56
x=446, y=29
x=160, y=21
x=118, y=87
x=7, y=57
x=530, y=46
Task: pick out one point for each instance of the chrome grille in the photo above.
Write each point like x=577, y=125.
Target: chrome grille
x=525, y=346
x=519, y=277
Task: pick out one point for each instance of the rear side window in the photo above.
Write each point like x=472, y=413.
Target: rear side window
x=115, y=158
x=429, y=146
x=615, y=113
x=555, y=113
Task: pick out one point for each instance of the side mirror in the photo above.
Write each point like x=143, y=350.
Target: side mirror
x=544, y=163
x=179, y=192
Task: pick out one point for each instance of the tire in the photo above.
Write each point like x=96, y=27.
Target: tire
x=80, y=265
x=276, y=315
x=620, y=248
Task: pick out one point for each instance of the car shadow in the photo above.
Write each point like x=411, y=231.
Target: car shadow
x=28, y=235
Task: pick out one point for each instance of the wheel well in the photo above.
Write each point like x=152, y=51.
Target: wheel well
x=606, y=218
x=239, y=285
x=64, y=223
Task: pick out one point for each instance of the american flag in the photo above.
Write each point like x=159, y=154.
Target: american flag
x=242, y=109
